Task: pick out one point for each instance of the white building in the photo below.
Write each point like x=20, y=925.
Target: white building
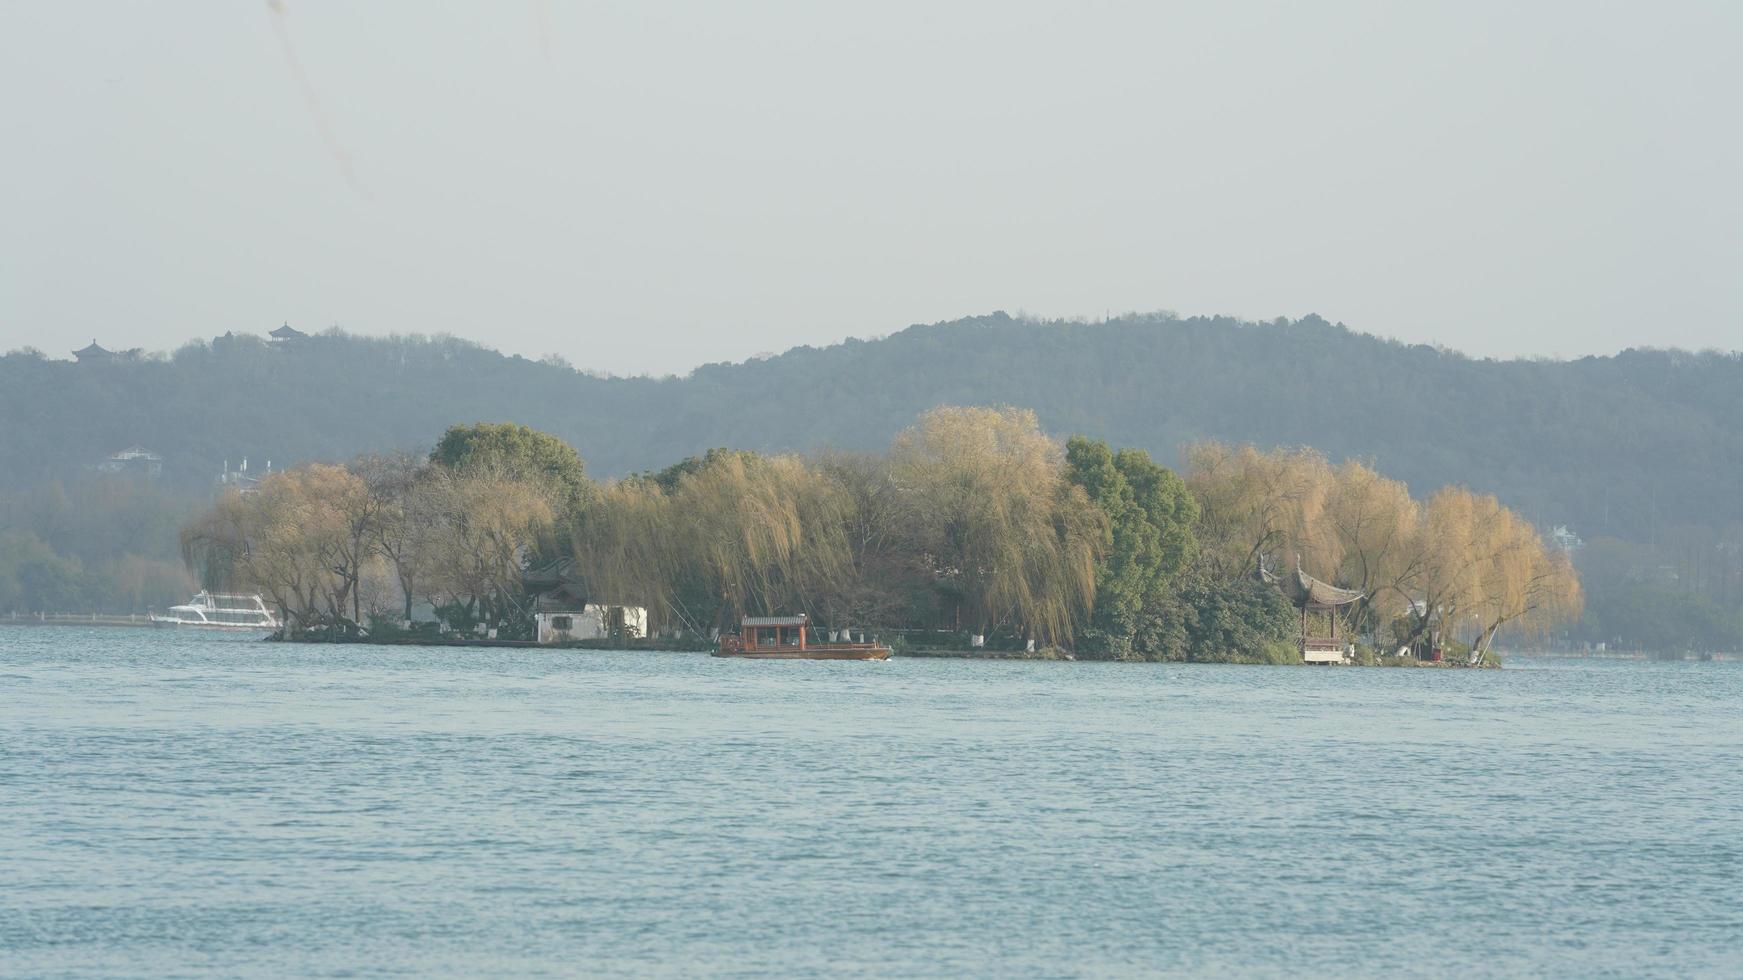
x=1561, y=537
x=592, y=621
x=133, y=459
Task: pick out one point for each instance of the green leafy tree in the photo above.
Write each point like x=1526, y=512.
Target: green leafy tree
x=1206, y=619
x=1149, y=536
x=517, y=452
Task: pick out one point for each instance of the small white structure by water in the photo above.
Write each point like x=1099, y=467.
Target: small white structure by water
x=593, y=621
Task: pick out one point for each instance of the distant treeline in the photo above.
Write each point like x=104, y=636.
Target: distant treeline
x=973, y=521
x=1630, y=446
x=94, y=543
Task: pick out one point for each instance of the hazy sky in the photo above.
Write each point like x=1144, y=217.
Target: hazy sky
x=645, y=187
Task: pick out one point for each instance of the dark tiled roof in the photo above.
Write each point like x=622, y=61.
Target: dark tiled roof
x=775, y=620
x=1305, y=590
x=562, y=598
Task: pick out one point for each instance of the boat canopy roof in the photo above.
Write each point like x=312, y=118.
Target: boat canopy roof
x=798, y=620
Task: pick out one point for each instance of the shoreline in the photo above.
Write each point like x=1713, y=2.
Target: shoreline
x=141, y=621
x=656, y=646
x=1665, y=656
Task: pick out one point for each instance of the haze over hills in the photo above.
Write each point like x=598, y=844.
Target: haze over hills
x=1626, y=445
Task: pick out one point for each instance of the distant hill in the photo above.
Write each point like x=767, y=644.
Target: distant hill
x=1622, y=445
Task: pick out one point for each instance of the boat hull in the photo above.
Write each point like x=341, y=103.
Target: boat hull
x=867, y=651
x=164, y=622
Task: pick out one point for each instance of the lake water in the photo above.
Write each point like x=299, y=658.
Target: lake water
x=186, y=804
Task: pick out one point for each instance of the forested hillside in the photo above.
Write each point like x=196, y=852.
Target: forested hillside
x=1624, y=445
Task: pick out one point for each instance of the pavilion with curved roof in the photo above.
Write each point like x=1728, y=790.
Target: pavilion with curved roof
x=1321, y=604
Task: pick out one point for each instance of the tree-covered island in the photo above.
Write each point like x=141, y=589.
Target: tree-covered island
x=973, y=527
x=1624, y=462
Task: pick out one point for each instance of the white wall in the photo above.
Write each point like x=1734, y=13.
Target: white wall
x=590, y=623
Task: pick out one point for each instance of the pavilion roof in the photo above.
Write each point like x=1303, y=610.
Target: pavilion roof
x=564, y=597
x=93, y=350
x=552, y=574
x=798, y=620
x=1304, y=590
x=286, y=332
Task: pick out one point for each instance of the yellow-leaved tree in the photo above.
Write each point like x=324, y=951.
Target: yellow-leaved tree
x=1008, y=540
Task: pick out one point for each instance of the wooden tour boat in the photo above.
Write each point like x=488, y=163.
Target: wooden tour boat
x=783, y=638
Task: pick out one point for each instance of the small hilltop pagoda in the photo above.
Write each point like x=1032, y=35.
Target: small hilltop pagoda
x=95, y=353
x=1322, y=605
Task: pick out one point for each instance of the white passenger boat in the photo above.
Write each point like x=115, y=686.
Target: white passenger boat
x=220, y=611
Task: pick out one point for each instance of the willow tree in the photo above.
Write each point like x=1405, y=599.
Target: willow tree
x=728, y=535
x=771, y=532
x=303, y=538
x=1520, y=582
x=486, y=526
x=1460, y=560
x=623, y=549
x=1373, y=521
x=215, y=544
x=409, y=493
x=1446, y=580
x=1007, y=538
x=1261, y=506
x=883, y=579
x=360, y=512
